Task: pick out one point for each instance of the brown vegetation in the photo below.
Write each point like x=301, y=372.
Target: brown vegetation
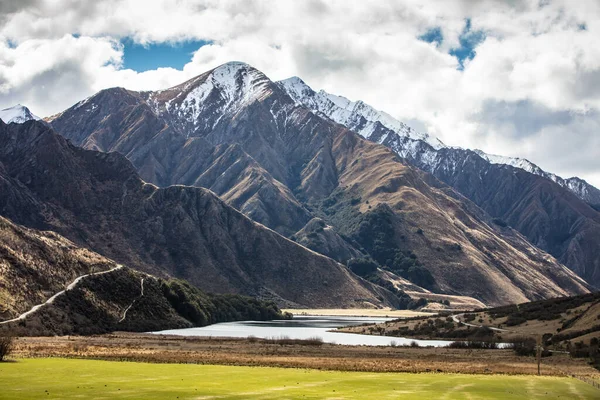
x=34, y=264
x=6, y=346
x=561, y=321
x=293, y=354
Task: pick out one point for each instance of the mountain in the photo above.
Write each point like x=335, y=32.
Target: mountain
x=239, y=134
x=17, y=114
x=100, y=295
x=98, y=201
x=550, y=211
x=381, y=127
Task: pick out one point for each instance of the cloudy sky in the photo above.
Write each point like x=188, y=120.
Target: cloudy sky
x=518, y=78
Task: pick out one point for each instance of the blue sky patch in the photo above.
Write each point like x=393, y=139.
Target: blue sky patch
x=468, y=40
x=144, y=58
x=433, y=35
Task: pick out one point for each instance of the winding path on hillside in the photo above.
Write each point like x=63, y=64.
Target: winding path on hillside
x=133, y=302
x=71, y=286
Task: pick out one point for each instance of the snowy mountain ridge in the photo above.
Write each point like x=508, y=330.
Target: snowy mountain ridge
x=421, y=148
x=17, y=114
x=223, y=90
x=356, y=115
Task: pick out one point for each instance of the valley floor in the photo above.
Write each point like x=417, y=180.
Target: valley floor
x=294, y=354
x=53, y=378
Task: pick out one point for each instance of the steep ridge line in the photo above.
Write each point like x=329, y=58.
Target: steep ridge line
x=133, y=302
x=71, y=286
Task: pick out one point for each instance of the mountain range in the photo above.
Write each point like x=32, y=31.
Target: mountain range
x=381, y=127
x=98, y=201
x=311, y=179
x=558, y=215
x=239, y=185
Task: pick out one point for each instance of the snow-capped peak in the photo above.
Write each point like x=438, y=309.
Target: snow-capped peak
x=17, y=114
x=296, y=88
x=356, y=115
x=238, y=80
x=199, y=104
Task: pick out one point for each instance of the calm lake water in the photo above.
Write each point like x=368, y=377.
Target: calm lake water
x=302, y=327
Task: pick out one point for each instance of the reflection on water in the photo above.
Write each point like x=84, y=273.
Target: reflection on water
x=302, y=327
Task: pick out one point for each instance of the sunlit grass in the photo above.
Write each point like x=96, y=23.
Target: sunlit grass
x=53, y=378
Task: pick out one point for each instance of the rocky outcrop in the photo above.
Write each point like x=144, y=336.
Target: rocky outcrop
x=323, y=238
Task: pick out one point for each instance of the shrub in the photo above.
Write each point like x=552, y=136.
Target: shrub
x=6, y=346
x=523, y=346
x=362, y=266
x=287, y=341
x=513, y=320
x=413, y=305
x=472, y=344
x=455, y=247
x=500, y=222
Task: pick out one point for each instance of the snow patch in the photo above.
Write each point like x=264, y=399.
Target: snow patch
x=17, y=114
x=356, y=115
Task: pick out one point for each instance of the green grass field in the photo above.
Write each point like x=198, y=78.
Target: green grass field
x=69, y=379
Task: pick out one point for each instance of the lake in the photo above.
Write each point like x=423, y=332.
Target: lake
x=302, y=327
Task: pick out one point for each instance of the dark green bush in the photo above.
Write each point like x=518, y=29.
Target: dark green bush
x=362, y=266
x=523, y=346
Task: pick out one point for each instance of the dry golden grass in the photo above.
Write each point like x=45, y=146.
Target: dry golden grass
x=587, y=314
x=257, y=352
x=34, y=265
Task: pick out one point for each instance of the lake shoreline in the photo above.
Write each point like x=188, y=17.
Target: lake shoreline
x=322, y=328
x=355, y=312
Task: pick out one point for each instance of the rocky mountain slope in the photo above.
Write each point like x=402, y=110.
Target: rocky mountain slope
x=241, y=135
x=98, y=201
x=36, y=267
x=550, y=211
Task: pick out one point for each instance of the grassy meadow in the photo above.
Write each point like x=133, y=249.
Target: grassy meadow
x=56, y=378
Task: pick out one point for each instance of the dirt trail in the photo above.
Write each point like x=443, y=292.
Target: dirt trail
x=133, y=302
x=71, y=286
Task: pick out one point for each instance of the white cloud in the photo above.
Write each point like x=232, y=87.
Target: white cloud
x=541, y=54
